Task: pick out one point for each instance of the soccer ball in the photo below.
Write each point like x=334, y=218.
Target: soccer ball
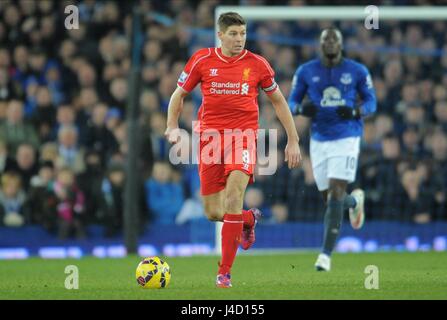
x=153, y=273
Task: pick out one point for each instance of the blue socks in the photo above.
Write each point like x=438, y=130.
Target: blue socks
x=333, y=219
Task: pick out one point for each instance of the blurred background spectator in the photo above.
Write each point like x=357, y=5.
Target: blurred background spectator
x=164, y=193
x=12, y=200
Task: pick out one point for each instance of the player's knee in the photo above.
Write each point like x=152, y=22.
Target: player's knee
x=233, y=202
x=213, y=213
x=336, y=192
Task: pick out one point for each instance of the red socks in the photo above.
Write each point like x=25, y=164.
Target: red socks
x=248, y=218
x=231, y=238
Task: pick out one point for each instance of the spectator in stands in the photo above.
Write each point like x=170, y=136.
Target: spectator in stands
x=98, y=136
x=70, y=154
x=88, y=98
x=70, y=204
x=439, y=170
x=44, y=115
x=8, y=89
x=41, y=201
x=65, y=115
x=188, y=116
x=113, y=119
x=87, y=76
x=433, y=184
x=38, y=62
x=149, y=102
x=370, y=144
x=274, y=187
x=159, y=143
x=112, y=198
x=164, y=194
x=49, y=152
x=21, y=68
x=118, y=93
x=6, y=161
x=303, y=199
x=280, y=213
x=12, y=200
x=166, y=87
x=5, y=60
x=26, y=164
x=415, y=115
x=55, y=84
x=89, y=182
x=192, y=209
x=441, y=114
x=14, y=130
x=381, y=178
x=411, y=142
x=414, y=201
x=383, y=125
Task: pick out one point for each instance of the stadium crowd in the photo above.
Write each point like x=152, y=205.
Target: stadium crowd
x=63, y=97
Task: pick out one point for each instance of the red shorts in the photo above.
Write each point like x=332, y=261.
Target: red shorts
x=219, y=155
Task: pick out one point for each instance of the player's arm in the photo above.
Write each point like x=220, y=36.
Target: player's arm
x=187, y=81
x=174, y=110
x=368, y=95
x=299, y=89
x=292, y=151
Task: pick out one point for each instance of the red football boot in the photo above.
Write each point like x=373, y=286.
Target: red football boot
x=248, y=234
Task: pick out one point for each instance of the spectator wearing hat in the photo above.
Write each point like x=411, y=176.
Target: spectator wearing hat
x=113, y=118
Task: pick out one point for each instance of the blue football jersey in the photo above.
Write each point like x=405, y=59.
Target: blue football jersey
x=329, y=88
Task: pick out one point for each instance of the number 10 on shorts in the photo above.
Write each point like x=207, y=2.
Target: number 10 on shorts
x=351, y=163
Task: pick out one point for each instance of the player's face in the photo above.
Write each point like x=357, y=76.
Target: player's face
x=233, y=39
x=331, y=43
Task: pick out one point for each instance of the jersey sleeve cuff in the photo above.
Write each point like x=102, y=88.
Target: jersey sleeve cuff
x=182, y=87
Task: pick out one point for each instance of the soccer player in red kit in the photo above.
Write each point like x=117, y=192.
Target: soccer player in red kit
x=230, y=77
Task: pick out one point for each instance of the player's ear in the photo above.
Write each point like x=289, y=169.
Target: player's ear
x=219, y=34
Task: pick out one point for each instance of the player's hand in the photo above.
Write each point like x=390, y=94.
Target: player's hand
x=348, y=113
x=307, y=109
x=292, y=155
x=172, y=134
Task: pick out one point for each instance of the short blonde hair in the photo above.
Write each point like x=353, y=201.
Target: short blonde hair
x=11, y=177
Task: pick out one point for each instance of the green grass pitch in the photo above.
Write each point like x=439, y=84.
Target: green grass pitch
x=282, y=276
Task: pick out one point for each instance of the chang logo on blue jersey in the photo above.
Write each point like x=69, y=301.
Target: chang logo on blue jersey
x=332, y=98
x=329, y=88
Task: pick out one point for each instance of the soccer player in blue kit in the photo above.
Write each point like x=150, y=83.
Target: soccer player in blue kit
x=331, y=84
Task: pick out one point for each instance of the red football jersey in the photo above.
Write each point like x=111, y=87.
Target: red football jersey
x=229, y=87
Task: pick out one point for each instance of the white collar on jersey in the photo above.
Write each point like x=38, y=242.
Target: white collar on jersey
x=224, y=60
